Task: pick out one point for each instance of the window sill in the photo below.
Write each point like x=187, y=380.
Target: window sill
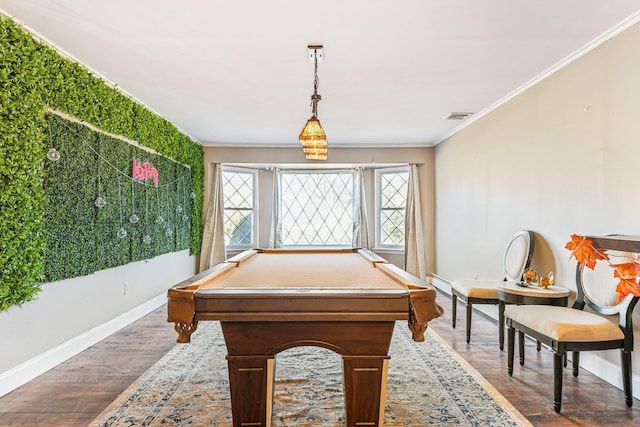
x=384, y=250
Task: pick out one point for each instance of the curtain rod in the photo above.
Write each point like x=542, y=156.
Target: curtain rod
x=307, y=167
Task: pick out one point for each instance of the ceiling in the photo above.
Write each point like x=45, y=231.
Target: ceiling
x=237, y=73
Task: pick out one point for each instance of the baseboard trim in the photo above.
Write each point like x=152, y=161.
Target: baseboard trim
x=25, y=372
x=608, y=371
x=441, y=283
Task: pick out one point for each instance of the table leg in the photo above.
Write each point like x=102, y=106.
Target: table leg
x=454, y=309
x=252, y=347
x=365, y=385
x=521, y=347
x=501, y=324
x=251, y=383
x=511, y=337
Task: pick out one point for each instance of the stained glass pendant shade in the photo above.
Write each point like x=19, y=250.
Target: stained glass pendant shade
x=314, y=140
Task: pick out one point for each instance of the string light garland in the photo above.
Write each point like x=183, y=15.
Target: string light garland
x=100, y=202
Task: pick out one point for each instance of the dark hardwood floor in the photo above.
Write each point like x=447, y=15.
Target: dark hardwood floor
x=75, y=392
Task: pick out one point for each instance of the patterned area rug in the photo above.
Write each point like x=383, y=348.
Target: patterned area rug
x=428, y=384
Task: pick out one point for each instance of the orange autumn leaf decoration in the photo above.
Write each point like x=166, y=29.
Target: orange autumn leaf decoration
x=627, y=286
x=584, y=252
x=627, y=269
x=627, y=273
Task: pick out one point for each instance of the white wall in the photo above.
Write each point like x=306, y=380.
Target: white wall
x=561, y=158
x=337, y=156
x=70, y=315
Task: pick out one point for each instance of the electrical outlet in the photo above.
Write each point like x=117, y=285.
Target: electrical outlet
x=475, y=276
x=126, y=288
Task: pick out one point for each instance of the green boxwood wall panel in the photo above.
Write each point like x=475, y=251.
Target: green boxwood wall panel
x=33, y=78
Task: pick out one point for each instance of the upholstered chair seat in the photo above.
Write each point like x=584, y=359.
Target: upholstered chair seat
x=608, y=326
x=476, y=288
x=565, y=324
x=517, y=257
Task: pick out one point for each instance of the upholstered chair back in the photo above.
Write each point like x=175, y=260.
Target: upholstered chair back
x=599, y=285
x=597, y=290
x=517, y=255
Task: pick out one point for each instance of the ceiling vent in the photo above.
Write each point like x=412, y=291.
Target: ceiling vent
x=458, y=116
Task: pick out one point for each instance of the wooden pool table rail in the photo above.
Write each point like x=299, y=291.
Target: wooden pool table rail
x=190, y=301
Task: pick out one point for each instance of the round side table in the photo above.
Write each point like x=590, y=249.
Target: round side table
x=512, y=293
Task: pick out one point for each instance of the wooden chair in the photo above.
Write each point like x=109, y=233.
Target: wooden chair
x=517, y=257
x=566, y=329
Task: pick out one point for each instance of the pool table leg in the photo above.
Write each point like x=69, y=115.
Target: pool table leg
x=365, y=385
x=185, y=330
x=251, y=380
x=252, y=347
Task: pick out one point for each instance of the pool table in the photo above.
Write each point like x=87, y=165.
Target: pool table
x=269, y=300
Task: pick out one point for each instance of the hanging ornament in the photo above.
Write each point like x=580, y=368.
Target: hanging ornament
x=159, y=219
x=147, y=238
x=121, y=233
x=53, y=155
x=193, y=195
x=100, y=203
x=133, y=219
x=169, y=230
x=178, y=209
x=185, y=217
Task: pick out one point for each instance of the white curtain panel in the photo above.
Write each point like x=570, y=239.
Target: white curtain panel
x=275, y=230
x=414, y=260
x=360, y=221
x=213, y=250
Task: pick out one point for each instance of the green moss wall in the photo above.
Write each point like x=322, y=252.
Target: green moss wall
x=33, y=78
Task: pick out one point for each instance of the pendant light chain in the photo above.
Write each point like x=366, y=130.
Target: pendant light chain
x=316, y=83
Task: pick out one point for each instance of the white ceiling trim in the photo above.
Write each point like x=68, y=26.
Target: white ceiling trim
x=622, y=26
x=67, y=55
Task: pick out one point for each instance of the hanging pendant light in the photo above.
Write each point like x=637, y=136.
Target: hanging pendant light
x=312, y=137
